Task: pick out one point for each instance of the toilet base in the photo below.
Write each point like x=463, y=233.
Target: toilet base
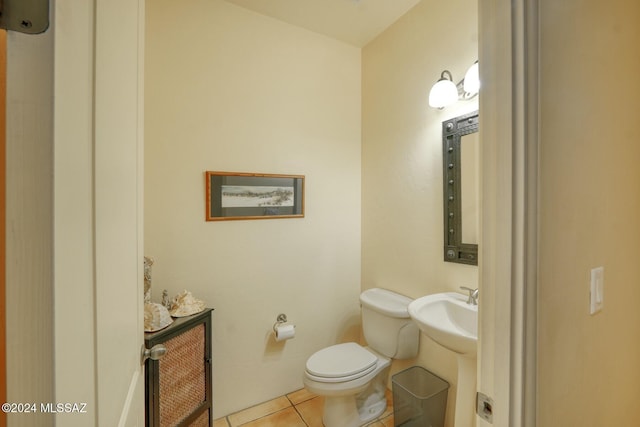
x=342, y=411
x=357, y=410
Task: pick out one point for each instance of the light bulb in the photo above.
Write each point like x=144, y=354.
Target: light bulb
x=443, y=93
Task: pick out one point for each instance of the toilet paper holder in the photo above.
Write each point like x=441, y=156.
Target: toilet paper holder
x=282, y=318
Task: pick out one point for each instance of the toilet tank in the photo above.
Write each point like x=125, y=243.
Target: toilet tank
x=387, y=326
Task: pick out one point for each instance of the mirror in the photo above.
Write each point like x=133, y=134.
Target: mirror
x=470, y=187
x=461, y=167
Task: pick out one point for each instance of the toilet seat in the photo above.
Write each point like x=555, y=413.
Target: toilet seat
x=340, y=363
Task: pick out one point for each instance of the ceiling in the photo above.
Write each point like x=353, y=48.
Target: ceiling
x=356, y=22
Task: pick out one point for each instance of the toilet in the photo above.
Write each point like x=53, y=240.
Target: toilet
x=352, y=378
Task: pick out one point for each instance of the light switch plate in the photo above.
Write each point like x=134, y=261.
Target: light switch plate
x=597, y=289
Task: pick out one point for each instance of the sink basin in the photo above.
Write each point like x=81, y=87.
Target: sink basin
x=448, y=320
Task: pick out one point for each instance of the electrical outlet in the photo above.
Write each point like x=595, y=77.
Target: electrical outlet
x=484, y=407
x=597, y=290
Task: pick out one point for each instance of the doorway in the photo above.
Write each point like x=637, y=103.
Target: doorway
x=3, y=346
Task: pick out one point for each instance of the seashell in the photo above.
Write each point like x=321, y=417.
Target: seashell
x=148, y=262
x=184, y=304
x=156, y=317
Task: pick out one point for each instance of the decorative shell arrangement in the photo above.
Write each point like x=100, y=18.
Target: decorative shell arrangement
x=184, y=304
x=156, y=317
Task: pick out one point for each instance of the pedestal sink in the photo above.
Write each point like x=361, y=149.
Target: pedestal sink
x=448, y=319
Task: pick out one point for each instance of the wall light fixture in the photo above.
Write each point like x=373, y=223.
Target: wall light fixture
x=445, y=92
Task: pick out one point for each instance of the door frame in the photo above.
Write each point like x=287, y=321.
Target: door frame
x=3, y=221
x=98, y=263
x=507, y=353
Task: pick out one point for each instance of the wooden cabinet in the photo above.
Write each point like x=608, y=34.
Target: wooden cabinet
x=178, y=385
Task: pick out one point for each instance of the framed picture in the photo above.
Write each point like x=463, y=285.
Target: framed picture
x=235, y=195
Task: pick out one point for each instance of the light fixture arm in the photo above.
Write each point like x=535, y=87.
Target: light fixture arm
x=462, y=94
x=442, y=75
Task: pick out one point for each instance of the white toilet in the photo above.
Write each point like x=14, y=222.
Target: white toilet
x=352, y=378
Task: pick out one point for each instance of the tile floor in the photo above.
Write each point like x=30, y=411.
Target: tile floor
x=297, y=409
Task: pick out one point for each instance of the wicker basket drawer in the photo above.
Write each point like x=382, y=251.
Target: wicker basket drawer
x=178, y=386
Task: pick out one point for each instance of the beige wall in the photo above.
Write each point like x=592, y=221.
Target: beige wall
x=589, y=210
x=231, y=90
x=29, y=224
x=402, y=223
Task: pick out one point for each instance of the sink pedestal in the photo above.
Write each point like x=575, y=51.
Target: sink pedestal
x=465, y=415
x=448, y=319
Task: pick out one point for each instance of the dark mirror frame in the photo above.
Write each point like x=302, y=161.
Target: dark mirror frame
x=452, y=132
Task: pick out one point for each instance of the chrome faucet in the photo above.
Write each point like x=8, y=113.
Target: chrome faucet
x=473, y=295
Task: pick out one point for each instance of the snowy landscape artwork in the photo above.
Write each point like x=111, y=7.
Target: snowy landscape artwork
x=241, y=195
x=247, y=196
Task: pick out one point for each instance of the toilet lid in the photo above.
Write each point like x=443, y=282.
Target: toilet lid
x=341, y=361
